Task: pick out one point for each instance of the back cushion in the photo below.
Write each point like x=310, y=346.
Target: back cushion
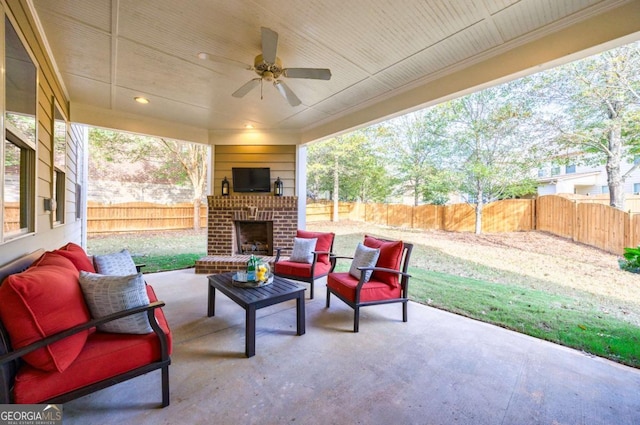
x=78, y=257
x=390, y=258
x=325, y=242
x=51, y=258
x=42, y=301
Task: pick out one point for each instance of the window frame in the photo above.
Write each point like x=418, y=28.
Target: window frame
x=28, y=144
x=27, y=181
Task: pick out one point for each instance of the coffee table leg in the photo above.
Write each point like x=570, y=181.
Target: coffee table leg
x=211, y=308
x=300, y=314
x=250, y=333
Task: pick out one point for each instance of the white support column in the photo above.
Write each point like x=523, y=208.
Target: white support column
x=301, y=185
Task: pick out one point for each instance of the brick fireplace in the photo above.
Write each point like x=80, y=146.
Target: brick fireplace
x=235, y=222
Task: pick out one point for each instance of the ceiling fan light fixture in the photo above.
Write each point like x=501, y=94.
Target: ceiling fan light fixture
x=142, y=100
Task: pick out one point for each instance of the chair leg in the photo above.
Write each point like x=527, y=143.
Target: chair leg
x=165, y=386
x=328, y=297
x=311, y=291
x=404, y=311
x=356, y=319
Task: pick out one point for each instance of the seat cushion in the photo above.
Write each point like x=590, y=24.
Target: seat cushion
x=104, y=355
x=302, y=270
x=324, y=244
x=78, y=257
x=390, y=258
x=44, y=300
x=345, y=285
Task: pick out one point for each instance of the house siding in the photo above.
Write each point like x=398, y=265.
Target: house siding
x=280, y=158
x=564, y=186
x=46, y=235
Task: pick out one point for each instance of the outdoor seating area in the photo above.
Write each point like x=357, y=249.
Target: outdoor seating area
x=452, y=369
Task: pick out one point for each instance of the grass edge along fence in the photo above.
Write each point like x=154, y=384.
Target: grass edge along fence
x=587, y=221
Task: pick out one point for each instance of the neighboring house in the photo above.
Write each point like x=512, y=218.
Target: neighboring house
x=583, y=179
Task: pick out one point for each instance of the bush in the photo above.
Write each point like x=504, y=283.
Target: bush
x=631, y=261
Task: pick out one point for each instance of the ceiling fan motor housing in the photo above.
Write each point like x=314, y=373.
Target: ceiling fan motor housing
x=268, y=71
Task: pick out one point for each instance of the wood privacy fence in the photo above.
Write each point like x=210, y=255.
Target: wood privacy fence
x=582, y=220
x=587, y=221
x=141, y=216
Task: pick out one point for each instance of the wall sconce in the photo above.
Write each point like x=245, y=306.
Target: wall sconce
x=49, y=204
x=225, y=187
x=278, y=187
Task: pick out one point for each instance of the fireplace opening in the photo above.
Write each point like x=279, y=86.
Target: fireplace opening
x=254, y=237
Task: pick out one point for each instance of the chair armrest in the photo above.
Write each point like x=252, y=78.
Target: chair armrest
x=15, y=354
x=383, y=269
x=333, y=260
x=139, y=267
x=278, y=251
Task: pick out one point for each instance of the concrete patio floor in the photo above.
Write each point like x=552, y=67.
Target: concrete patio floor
x=439, y=368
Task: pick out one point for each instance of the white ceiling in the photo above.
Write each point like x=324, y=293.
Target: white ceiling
x=108, y=51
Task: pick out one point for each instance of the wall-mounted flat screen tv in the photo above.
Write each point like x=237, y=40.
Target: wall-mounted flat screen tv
x=251, y=179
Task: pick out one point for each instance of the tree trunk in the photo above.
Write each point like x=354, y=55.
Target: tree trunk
x=479, y=206
x=196, y=214
x=614, y=159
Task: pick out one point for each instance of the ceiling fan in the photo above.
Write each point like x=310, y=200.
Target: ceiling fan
x=269, y=68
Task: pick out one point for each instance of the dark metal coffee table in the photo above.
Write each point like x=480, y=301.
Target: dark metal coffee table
x=252, y=299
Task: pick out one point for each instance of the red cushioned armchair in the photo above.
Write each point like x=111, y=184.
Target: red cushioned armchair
x=388, y=281
x=318, y=266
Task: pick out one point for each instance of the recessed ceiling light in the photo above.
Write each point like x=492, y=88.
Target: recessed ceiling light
x=248, y=126
x=141, y=99
x=203, y=55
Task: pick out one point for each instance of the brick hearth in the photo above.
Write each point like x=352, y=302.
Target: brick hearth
x=223, y=211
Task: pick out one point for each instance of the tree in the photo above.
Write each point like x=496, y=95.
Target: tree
x=193, y=159
x=597, y=106
x=419, y=149
x=348, y=167
x=124, y=156
x=494, y=140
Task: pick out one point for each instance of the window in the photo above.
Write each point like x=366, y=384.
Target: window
x=18, y=151
x=555, y=171
x=636, y=188
x=570, y=169
x=19, y=163
x=59, y=165
x=605, y=189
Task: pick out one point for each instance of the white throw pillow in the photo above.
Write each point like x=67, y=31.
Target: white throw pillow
x=110, y=294
x=364, y=257
x=303, y=250
x=116, y=264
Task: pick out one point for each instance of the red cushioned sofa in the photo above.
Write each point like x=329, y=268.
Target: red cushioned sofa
x=50, y=348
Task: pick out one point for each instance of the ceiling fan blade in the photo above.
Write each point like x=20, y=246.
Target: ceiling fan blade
x=286, y=92
x=242, y=91
x=269, y=45
x=315, y=73
x=220, y=59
